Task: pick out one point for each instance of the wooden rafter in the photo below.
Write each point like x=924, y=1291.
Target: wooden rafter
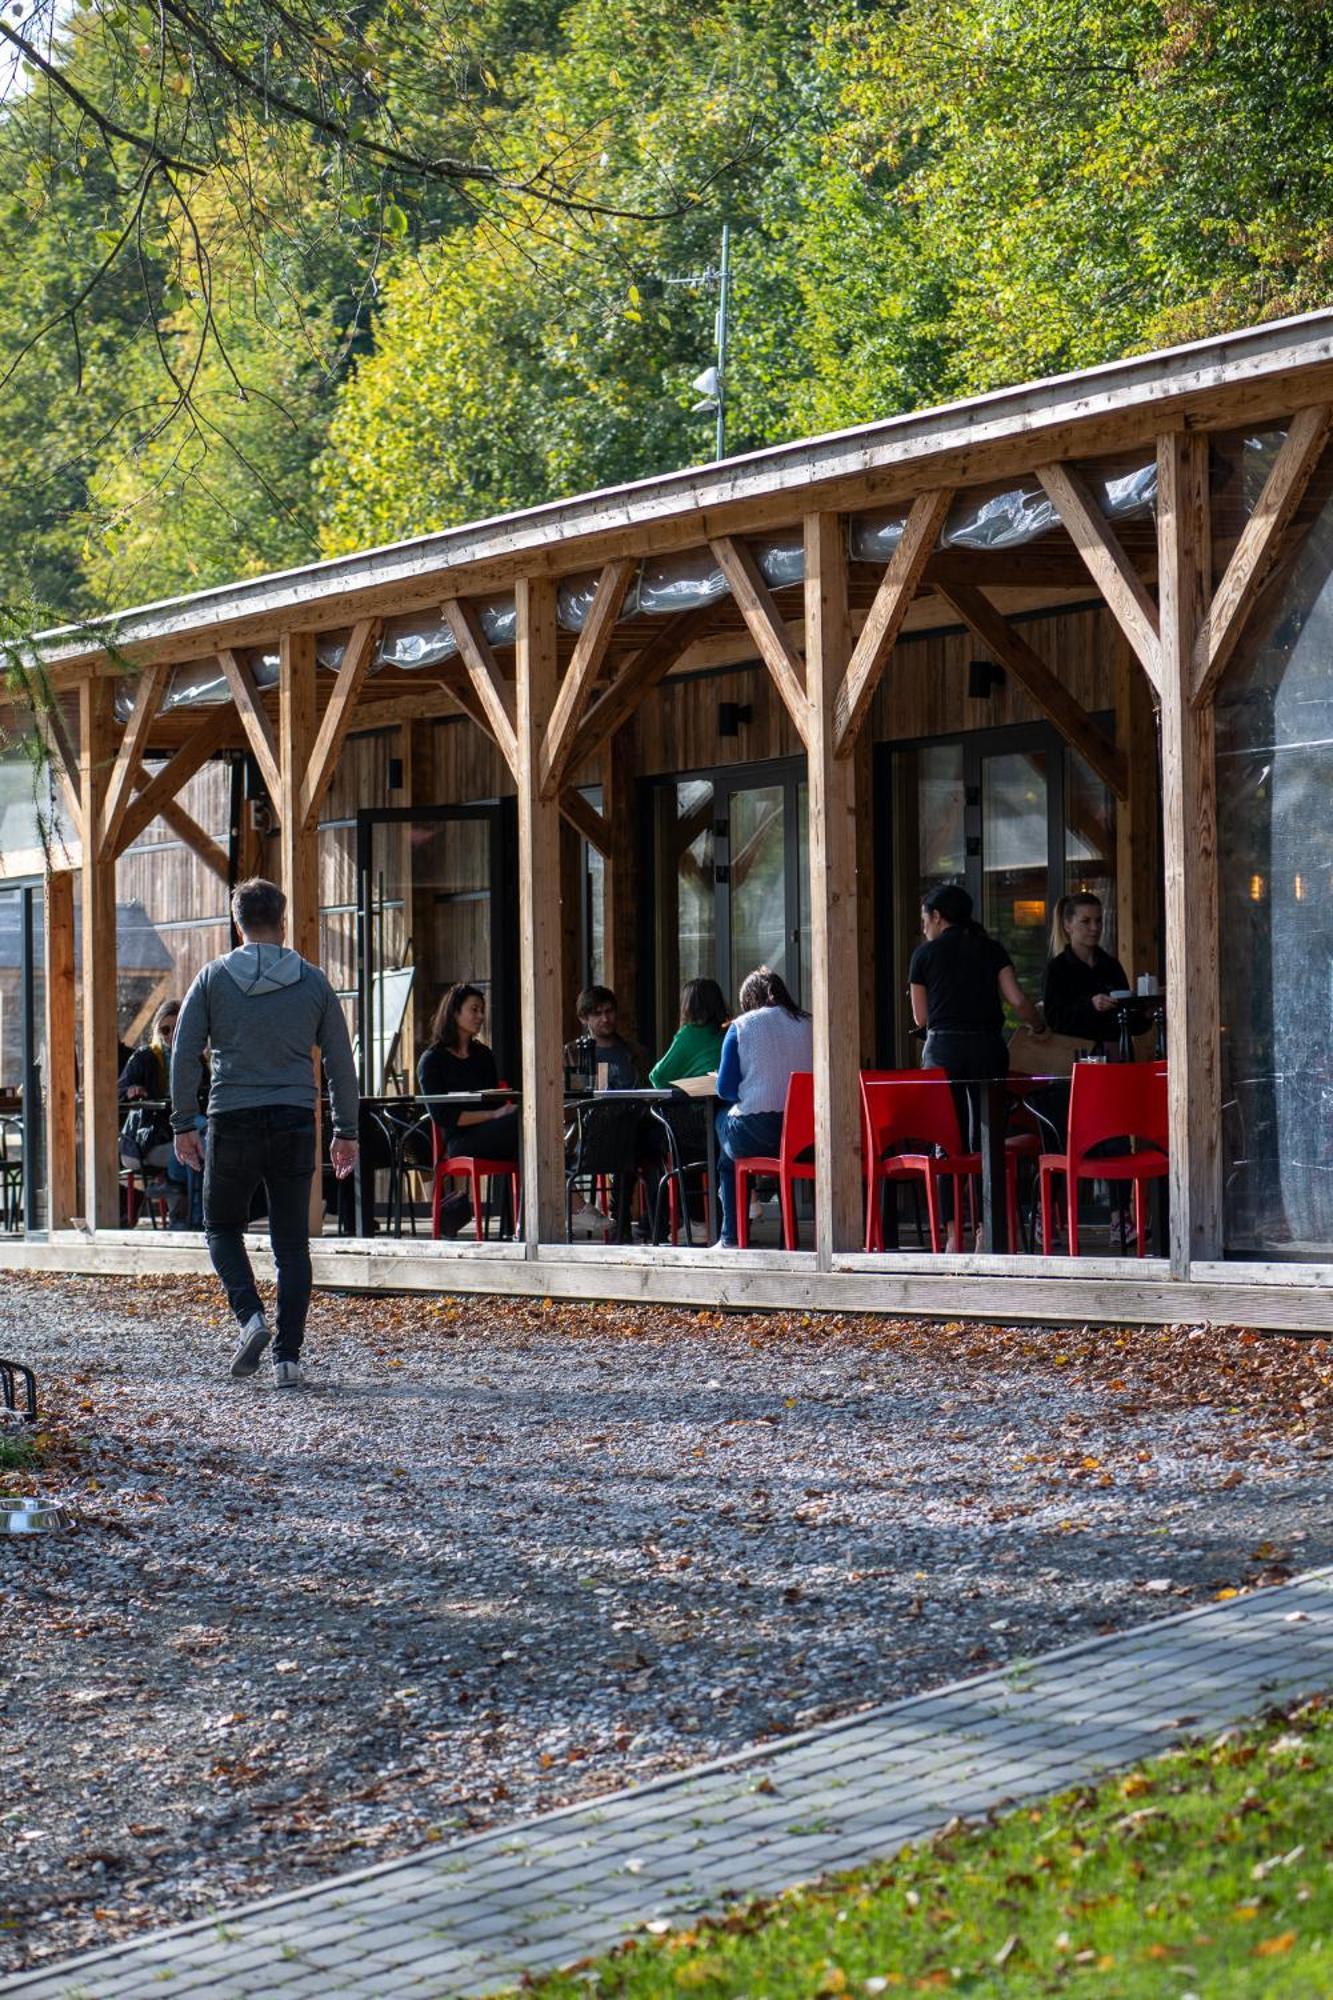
x=491, y=689
x=125, y=775
x=357, y=659
x=584, y=817
x=582, y=672
x=884, y=622
x=635, y=680
x=1032, y=673
x=255, y=722
x=177, y=771
x=1127, y=596
x=766, y=626
x=1260, y=548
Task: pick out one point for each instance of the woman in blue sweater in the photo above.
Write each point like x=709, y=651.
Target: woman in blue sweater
x=769, y=1040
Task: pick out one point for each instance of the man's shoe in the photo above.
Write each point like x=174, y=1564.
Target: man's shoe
x=255, y=1337
x=287, y=1375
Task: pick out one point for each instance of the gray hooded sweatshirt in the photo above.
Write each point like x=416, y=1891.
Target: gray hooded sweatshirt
x=262, y=1009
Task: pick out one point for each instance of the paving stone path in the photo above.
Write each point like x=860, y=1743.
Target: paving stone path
x=471, y=1917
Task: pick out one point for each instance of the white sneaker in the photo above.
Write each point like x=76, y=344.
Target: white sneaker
x=287, y=1375
x=587, y=1225
x=255, y=1337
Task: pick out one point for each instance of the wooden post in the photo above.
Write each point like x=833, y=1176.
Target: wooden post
x=623, y=900
x=538, y=674
x=1190, y=841
x=1138, y=942
x=59, y=1069
x=571, y=922
x=300, y=843
x=101, y=1144
x=835, y=976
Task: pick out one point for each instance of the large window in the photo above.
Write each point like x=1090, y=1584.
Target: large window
x=1275, y=864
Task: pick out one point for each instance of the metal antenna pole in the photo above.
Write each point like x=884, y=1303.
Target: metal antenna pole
x=721, y=330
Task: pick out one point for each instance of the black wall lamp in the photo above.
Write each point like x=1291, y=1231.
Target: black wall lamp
x=730, y=716
x=982, y=676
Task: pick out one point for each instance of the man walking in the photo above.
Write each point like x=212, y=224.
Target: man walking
x=262, y=1009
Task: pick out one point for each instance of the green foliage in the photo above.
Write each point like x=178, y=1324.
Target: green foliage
x=1205, y=1870
x=414, y=266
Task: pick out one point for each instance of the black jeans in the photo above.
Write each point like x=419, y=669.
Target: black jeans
x=274, y=1144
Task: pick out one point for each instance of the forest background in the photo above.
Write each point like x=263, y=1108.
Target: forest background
x=283, y=281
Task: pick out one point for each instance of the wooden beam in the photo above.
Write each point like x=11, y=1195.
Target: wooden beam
x=1260, y=548
x=582, y=672
x=540, y=1002
x=489, y=685
x=882, y=626
x=254, y=720
x=97, y=875
x=187, y=828
x=765, y=624
x=1032, y=673
x=1127, y=596
x=584, y=817
x=834, y=970
x=125, y=775
x=61, y=1064
x=1190, y=843
x=177, y=771
x=635, y=681
x=357, y=660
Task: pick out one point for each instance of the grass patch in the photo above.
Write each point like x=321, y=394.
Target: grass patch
x=18, y=1453
x=1206, y=1872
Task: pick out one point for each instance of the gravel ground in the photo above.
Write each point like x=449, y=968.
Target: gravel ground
x=508, y=1554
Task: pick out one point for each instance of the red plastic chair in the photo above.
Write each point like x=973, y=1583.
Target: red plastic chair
x=1110, y=1101
x=912, y=1108
x=472, y=1167
x=798, y=1136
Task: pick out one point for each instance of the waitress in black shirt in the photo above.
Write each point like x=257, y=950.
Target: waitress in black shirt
x=1080, y=976
x=455, y=1060
x=960, y=978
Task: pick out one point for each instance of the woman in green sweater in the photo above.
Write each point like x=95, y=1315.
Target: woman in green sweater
x=698, y=1043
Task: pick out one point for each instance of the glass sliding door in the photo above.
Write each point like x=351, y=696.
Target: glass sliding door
x=437, y=904
x=730, y=855
x=1014, y=904
x=1013, y=814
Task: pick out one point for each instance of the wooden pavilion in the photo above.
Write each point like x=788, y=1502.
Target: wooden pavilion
x=1110, y=566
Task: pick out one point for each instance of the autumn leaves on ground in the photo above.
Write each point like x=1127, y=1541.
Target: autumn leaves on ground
x=509, y=1554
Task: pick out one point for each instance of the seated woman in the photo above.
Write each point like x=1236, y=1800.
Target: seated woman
x=697, y=1048
x=1080, y=976
x=768, y=1041
x=146, y=1142
x=455, y=1060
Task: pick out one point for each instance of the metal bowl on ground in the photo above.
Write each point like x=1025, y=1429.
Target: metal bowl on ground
x=31, y=1516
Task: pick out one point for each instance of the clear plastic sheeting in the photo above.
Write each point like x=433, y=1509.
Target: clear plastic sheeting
x=200, y=684
x=1009, y=518
x=1003, y=519
x=1275, y=849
